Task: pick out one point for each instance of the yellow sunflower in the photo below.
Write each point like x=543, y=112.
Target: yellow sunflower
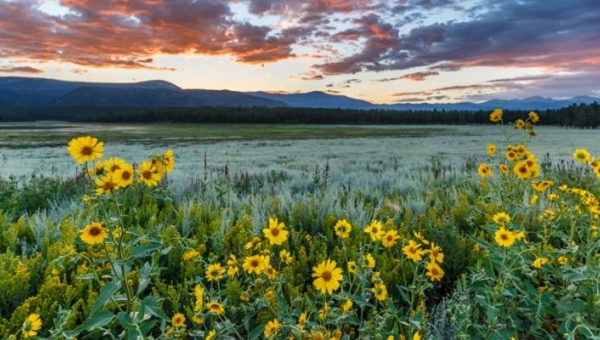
x=254, y=264
x=380, y=292
x=148, y=174
x=496, y=116
x=504, y=238
x=582, y=155
x=534, y=117
x=540, y=261
x=342, y=229
x=327, y=277
x=215, y=307
x=370, y=261
x=169, y=161
x=93, y=233
x=84, y=149
x=503, y=168
x=484, y=170
x=375, y=230
x=199, y=295
x=501, y=219
x=302, y=320
x=31, y=325
x=434, y=271
x=214, y=272
x=178, y=320
x=106, y=184
x=211, y=335
x=522, y=170
x=285, y=257
x=272, y=328
x=352, y=267
x=233, y=267
x=491, y=149
x=124, y=175
x=113, y=164
x=389, y=238
x=413, y=251
x=435, y=253
x=276, y=232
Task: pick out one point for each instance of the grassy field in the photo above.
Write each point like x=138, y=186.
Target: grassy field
x=301, y=232
x=22, y=135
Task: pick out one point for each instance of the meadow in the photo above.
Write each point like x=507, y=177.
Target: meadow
x=299, y=232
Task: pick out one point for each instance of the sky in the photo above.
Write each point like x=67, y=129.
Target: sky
x=382, y=51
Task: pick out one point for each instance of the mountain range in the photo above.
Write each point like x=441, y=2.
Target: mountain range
x=41, y=92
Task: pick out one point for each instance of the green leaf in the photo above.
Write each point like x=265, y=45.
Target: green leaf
x=88, y=276
x=97, y=320
x=150, y=306
x=106, y=292
x=141, y=251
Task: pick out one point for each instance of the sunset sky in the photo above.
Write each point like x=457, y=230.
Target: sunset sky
x=383, y=51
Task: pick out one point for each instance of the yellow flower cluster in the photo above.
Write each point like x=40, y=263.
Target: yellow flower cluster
x=585, y=157
x=115, y=173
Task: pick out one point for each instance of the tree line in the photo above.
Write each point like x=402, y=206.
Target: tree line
x=575, y=115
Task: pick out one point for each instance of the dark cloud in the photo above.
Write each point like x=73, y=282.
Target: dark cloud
x=21, y=69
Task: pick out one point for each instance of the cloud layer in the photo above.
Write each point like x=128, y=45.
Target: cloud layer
x=423, y=39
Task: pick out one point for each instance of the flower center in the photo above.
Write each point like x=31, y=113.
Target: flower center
x=434, y=272
x=504, y=237
x=87, y=151
x=275, y=231
x=254, y=263
x=95, y=231
x=126, y=175
x=326, y=276
x=147, y=174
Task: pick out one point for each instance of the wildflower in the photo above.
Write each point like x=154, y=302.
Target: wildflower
x=582, y=155
x=32, y=324
x=285, y=257
x=271, y=328
x=503, y=168
x=93, y=233
x=553, y=197
x=270, y=271
x=168, y=161
x=519, y=124
x=253, y=243
x=214, y=272
x=534, y=117
x=324, y=311
x=504, y=238
x=380, y=292
x=416, y=336
x=302, y=320
x=435, y=253
x=534, y=199
x=562, y=260
x=124, y=176
x=501, y=219
x=484, y=170
x=511, y=155
x=106, y=184
x=199, y=294
x=254, y=264
x=389, y=238
x=496, y=116
x=434, y=271
x=420, y=237
x=413, y=251
x=84, y=149
x=375, y=230
x=352, y=268
x=327, y=277
x=178, y=320
x=370, y=261
x=347, y=305
x=540, y=261
x=215, y=307
x=491, y=149
x=113, y=164
x=148, y=174
x=276, y=232
x=190, y=255
x=232, y=264
x=520, y=236
x=210, y=335
x=342, y=229
x=522, y=170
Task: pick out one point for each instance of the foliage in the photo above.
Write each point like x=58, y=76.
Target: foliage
x=509, y=250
